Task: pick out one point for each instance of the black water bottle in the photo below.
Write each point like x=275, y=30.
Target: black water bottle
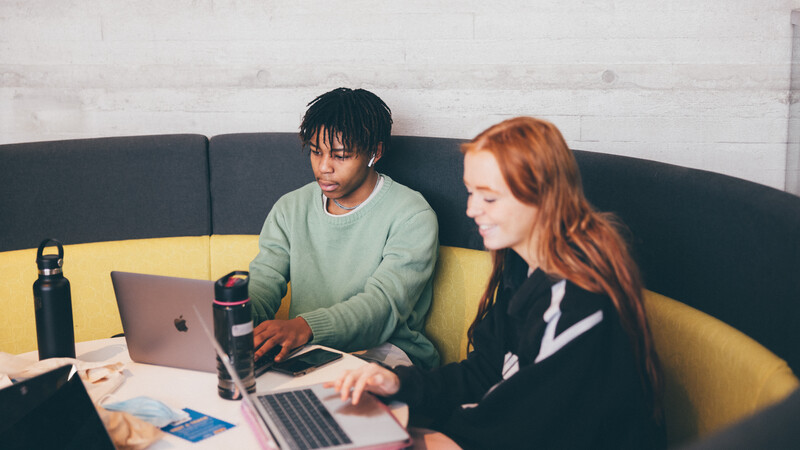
x=53, y=305
x=233, y=328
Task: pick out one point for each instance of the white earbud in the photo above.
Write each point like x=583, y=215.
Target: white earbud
x=371, y=161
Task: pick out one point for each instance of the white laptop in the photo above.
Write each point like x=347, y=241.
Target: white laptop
x=314, y=416
x=159, y=322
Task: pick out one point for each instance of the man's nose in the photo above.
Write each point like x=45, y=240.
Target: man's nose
x=325, y=165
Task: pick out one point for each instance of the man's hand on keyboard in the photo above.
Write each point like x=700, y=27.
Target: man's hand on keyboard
x=289, y=334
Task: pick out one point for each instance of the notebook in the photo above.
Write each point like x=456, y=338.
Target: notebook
x=314, y=417
x=51, y=410
x=159, y=323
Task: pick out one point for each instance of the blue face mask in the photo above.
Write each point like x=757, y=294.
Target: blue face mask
x=149, y=410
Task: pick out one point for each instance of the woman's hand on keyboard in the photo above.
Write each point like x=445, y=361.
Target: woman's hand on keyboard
x=371, y=378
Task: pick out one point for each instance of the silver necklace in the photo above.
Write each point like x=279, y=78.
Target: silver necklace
x=347, y=208
x=350, y=208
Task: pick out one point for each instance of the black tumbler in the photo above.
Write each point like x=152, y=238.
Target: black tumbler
x=233, y=328
x=53, y=305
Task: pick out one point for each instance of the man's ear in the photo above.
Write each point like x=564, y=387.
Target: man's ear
x=378, y=154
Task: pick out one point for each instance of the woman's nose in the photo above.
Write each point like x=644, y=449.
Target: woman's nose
x=472, y=207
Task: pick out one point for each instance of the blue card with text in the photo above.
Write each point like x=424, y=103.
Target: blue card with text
x=198, y=427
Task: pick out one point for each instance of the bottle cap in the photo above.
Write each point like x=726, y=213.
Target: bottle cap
x=232, y=288
x=50, y=262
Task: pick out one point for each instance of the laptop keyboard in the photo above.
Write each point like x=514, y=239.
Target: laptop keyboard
x=304, y=419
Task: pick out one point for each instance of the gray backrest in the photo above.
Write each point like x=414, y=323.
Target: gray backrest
x=90, y=190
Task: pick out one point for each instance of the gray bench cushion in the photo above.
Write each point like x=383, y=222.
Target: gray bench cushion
x=249, y=173
x=91, y=190
x=726, y=246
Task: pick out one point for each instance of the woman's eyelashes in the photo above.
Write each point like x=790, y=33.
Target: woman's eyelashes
x=483, y=198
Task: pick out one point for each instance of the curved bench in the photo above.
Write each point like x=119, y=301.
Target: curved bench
x=184, y=205
x=714, y=374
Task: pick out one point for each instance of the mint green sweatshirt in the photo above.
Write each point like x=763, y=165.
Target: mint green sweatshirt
x=359, y=280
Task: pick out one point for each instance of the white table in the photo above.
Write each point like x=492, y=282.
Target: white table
x=180, y=388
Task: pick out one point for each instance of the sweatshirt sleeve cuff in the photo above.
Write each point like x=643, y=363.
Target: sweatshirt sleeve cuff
x=322, y=328
x=405, y=393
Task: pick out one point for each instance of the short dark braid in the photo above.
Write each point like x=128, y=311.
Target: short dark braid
x=361, y=116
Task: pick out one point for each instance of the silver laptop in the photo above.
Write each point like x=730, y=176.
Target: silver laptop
x=159, y=322
x=314, y=416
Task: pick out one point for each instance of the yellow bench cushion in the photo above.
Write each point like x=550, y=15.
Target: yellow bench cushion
x=714, y=374
x=231, y=252
x=460, y=278
x=459, y=281
x=87, y=267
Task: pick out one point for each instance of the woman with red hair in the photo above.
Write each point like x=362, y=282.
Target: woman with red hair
x=561, y=353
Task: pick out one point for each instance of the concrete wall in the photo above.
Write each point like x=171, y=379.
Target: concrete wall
x=699, y=83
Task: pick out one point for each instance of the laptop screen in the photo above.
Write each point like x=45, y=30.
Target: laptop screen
x=51, y=410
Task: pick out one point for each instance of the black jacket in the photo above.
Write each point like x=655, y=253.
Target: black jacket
x=574, y=386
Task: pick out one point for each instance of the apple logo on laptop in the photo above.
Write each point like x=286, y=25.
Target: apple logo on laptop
x=180, y=324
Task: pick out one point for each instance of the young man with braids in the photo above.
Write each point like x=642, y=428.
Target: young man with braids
x=358, y=248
